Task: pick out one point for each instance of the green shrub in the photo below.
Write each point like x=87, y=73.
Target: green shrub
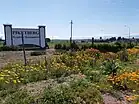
x=130, y=45
x=107, y=47
x=34, y=76
x=94, y=75
x=19, y=97
x=56, y=73
x=37, y=53
x=65, y=47
x=76, y=93
x=6, y=92
x=74, y=46
x=110, y=67
x=85, y=46
x=9, y=48
x=58, y=46
x=123, y=55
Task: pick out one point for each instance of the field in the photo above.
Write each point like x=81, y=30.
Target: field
x=7, y=57
x=85, y=76
x=54, y=42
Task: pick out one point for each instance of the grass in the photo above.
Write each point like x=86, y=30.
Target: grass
x=19, y=97
x=97, y=74
x=75, y=92
x=54, y=42
x=1, y=44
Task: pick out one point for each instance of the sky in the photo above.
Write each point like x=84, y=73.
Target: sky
x=91, y=18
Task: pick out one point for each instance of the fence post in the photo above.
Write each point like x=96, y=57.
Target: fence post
x=24, y=53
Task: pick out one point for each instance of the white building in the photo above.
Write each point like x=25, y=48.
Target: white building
x=13, y=36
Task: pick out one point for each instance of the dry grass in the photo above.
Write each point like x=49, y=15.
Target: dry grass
x=17, y=56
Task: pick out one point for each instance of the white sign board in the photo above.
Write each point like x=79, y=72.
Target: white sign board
x=13, y=36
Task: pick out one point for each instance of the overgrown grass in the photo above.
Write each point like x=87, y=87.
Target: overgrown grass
x=103, y=47
x=101, y=73
x=54, y=42
x=18, y=97
x=76, y=93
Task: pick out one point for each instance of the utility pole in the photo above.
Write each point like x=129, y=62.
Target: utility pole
x=25, y=60
x=71, y=33
x=128, y=33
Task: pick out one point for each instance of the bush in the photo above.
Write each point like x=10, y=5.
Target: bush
x=37, y=53
x=94, y=75
x=19, y=97
x=110, y=67
x=107, y=47
x=47, y=39
x=58, y=46
x=9, y=48
x=65, y=47
x=123, y=55
x=130, y=45
x=34, y=76
x=74, y=46
x=85, y=46
x=6, y=92
x=79, y=92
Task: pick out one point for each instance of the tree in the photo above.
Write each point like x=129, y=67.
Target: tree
x=119, y=38
x=123, y=38
x=47, y=39
x=133, y=38
x=112, y=39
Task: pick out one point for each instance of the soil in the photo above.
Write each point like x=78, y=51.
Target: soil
x=37, y=88
x=17, y=56
x=109, y=99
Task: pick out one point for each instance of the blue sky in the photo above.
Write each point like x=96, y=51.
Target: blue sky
x=91, y=18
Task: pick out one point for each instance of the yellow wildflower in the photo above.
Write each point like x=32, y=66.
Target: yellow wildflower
x=14, y=81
